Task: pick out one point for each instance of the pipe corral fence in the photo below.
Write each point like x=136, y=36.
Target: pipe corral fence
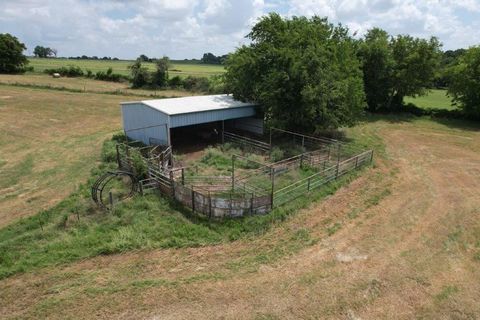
x=238, y=194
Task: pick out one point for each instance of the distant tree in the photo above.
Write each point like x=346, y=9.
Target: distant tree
x=139, y=74
x=44, y=52
x=160, y=76
x=143, y=58
x=12, y=59
x=304, y=72
x=210, y=58
x=395, y=67
x=464, y=82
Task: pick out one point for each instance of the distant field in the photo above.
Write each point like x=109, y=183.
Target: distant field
x=121, y=66
x=435, y=99
x=45, y=81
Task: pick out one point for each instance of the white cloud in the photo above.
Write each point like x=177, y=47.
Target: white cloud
x=188, y=28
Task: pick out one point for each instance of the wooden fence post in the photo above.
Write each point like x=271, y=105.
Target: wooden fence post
x=308, y=185
x=272, y=174
x=338, y=165
x=356, y=162
x=110, y=199
x=183, y=176
x=371, y=157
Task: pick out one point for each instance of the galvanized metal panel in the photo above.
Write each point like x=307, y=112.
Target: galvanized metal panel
x=181, y=120
x=141, y=122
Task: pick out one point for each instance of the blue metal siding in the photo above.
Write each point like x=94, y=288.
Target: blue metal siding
x=181, y=120
x=141, y=122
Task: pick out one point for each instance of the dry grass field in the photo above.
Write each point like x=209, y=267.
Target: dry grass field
x=49, y=142
x=401, y=241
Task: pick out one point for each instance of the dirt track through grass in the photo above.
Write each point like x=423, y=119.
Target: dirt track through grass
x=402, y=241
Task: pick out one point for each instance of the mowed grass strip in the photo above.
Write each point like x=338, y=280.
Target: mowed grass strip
x=121, y=66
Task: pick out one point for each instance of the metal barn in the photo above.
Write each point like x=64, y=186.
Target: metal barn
x=171, y=121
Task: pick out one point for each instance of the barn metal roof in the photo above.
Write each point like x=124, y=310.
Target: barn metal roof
x=174, y=106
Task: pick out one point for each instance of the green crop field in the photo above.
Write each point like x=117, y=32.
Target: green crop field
x=121, y=66
x=435, y=99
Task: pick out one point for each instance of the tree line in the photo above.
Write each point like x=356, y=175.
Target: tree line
x=308, y=73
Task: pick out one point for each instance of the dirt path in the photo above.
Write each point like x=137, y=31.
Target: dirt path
x=407, y=245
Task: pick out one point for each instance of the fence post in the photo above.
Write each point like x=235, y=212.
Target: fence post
x=356, y=162
x=209, y=205
x=308, y=184
x=129, y=161
x=172, y=182
x=338, y=165
x=233, y=173
x=118, y=156
x=183, y=176
x=140, y=184
x=371, y=157
x=272, y=174
x=110, y=199
x=301, y=161
x=251, y=203
x=193, y=200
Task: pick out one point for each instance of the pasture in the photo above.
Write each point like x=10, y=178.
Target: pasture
x=400, y=240
x=434, y=99
x=179, y=68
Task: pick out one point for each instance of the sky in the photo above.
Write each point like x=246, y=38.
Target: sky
x=183, y=29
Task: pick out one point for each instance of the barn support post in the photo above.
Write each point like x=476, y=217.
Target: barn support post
x=270, y=141
x=223, y=131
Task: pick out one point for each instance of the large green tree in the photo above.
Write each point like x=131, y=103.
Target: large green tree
x=464, y=82
x=377, y=64
x=304, y=72
x=12, y=59
x=395, y=67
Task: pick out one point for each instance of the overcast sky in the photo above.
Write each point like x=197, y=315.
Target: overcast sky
x=186, y=29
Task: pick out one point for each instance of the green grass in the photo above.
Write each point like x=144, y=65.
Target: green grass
x=434, y=99
x=75, y=229
x=121, y=66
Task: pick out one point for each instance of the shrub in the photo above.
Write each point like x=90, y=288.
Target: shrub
x=175, y=82
x=197, y=84
x=276, y=154
x=109, y=76
x=70, y=71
